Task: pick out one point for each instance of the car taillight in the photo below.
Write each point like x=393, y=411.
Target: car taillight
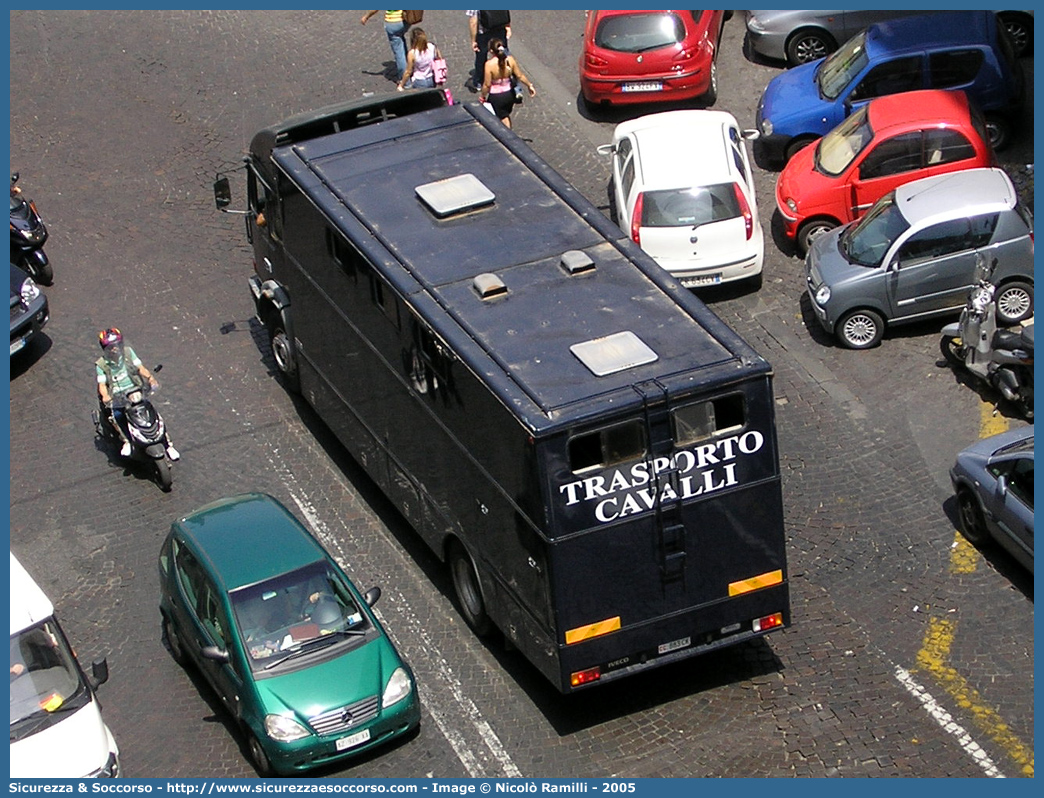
x=636, y=220
x=685, y=54
x=748, y=218
x=595, y=62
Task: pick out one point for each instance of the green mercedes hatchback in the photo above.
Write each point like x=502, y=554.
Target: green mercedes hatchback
x=293, y=650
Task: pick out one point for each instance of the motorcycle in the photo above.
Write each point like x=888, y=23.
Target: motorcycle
x=28, y=234
x=144, y=428
x=1003, y=359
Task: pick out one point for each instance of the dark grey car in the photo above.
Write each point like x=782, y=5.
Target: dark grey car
x=913, y=256
x=993, y=479
x=28, y=309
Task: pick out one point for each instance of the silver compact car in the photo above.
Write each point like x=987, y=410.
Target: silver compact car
x=993, y=479
x=802, y=36
x=913, y=256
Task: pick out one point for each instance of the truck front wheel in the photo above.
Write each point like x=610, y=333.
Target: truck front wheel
x=283, y=352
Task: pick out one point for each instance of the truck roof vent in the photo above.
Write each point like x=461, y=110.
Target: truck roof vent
x=576, y=262
x=455, y=195
x=489, y=286
x=613, y=353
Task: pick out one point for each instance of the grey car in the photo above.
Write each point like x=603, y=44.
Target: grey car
x=802, y=36
x=798, y=37
x=913, y=256
x=993, y=480
x=28, y=309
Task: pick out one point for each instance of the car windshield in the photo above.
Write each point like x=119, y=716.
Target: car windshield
x=838, y=148
x=690, y=207
x=867, y=241
x=637, y=33
x=842, y=66
x=45, y=679
x=286, y=613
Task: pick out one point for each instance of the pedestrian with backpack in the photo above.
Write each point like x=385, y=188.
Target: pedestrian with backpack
x=484, y=26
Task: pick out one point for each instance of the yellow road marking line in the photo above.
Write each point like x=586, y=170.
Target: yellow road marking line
x=932, y=658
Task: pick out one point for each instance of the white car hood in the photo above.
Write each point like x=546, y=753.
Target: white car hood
x=76, y=747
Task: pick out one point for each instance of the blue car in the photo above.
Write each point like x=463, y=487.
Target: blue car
x=966, y=50
x=993, y=479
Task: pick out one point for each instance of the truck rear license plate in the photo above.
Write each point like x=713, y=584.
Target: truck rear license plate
x=674, y=645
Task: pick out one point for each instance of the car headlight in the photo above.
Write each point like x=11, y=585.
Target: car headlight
x=822, y=295
x=791, y=204
x=766, y=127
x=754, y=24
x=284, y=729
x=29, y=291
x=399, y=686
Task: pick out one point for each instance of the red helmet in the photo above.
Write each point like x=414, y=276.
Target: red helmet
x=109, y=337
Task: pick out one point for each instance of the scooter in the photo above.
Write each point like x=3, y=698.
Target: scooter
x=28, y=234
x=144, y=428
x=1001, y=358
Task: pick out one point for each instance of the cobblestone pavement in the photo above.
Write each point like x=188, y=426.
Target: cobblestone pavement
x=120, y=121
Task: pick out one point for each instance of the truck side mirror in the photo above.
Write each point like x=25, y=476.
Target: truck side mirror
x=606, y=149
x=99, y=672
x=222, y=193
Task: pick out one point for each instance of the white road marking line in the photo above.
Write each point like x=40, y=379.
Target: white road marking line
x=949, y=725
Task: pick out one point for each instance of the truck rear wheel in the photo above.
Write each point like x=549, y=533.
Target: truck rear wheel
x=469, y=594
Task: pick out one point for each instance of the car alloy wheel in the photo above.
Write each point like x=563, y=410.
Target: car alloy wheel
x=861, y=329
x=1014, y=303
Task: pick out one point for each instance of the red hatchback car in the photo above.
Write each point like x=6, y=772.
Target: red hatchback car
x=890, y=141
x=650, y=56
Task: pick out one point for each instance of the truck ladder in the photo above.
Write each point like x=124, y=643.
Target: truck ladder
x=656, y=411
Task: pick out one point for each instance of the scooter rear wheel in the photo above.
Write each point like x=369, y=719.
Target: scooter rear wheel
x=953, y=350
x=164, y=477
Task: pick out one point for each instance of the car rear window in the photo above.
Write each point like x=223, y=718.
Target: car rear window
x=690, y=206
x=637, y=33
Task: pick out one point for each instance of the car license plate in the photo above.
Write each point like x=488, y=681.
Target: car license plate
x=648, y=85
x=702, y=279
x=17, y=345
x=353, y=740
x=674, y=645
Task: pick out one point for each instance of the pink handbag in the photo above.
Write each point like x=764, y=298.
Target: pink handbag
x=439, y=69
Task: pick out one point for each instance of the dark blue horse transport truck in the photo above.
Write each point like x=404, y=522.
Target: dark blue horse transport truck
x=588, y=447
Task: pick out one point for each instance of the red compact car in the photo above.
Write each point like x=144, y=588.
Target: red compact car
x=650, y=56
x=890, y=141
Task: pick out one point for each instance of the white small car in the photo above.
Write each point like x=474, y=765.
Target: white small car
x=683, y=188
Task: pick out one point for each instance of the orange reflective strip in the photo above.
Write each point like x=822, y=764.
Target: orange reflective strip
x=755, y=582
x=592, y=630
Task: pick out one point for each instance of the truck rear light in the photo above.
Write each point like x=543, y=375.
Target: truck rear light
x=768, y=622
x=585, y=677
x=636, y=219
